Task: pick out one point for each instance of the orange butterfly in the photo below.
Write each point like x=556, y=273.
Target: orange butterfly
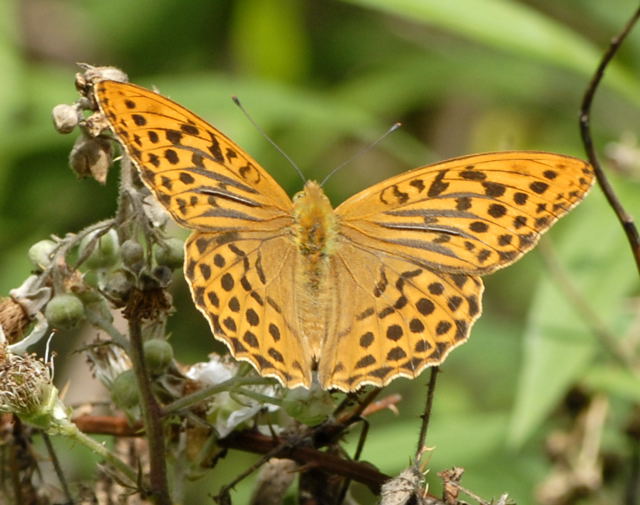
x=381, y=287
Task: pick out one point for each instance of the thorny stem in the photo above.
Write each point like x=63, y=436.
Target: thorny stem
x=626, y=220
x=426, y=415
x=151, y=409
x=152, y=415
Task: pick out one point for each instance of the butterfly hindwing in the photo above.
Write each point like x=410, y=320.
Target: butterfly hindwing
x=394, y=319
x=242, y=283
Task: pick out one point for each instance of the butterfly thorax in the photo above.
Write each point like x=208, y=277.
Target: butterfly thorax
x=315, y=223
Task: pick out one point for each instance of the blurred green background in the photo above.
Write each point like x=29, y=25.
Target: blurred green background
x=324, y=79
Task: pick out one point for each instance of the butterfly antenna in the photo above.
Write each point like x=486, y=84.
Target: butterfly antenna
x=362, y=151
x=264, y=134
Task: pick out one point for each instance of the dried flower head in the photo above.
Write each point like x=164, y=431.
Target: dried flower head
x=26, y=389
x=107, y=361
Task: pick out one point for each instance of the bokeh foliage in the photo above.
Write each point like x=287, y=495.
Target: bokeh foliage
x=324, y=79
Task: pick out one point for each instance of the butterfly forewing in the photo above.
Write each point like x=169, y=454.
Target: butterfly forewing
x=472, y=214
x=203, y=178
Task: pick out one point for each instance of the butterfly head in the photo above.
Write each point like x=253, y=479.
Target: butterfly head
x=315, y=221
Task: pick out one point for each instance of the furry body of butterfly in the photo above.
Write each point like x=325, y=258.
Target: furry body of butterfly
x=381, y=287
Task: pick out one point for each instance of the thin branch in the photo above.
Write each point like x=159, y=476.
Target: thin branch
x=626, y=220
x=224, y=490
x=356, y=456
x=632, y=491
x=117, y=426
x=57, y=468
x=426, y=415
x=255, y=442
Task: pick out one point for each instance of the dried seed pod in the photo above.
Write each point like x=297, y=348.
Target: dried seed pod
x=13, y=319
x=91, y=157
x=65, y=117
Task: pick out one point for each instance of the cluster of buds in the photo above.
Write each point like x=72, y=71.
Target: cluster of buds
x=91, y=154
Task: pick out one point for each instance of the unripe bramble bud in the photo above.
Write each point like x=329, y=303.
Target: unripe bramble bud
x=64, y=311
x=104, y=252
x=65, y=118
x=132, y=254
x=124, y=390
x=162, y=274
x=40, y=253
x=310, y=407
x=158, y=355
x=170, y=253
x=91, y=157
x=117, y=285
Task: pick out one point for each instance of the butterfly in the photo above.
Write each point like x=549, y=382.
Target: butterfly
x=383, y=286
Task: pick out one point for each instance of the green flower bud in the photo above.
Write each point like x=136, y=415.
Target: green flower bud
x=103, y=252
x=40, y=253
x=124, y=390
x=158, y=355
x=310, y=407
x=170, y=253
x=64, y=311
x=132, y=254
x=117, y=285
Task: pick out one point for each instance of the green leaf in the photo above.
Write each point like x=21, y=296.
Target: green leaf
x=558, y=343
x=512, y=27
x=613, y=380
x=268, y=39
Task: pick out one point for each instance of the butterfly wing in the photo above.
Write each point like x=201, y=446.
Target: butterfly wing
x=239, y=260
x=243, y=284
x=411, y=249
x=393, y=317
x=203, y=178
x=473, y=214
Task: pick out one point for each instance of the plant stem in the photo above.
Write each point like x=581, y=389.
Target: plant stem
x=152, y=417
x=206, y=392
x=70, y=430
